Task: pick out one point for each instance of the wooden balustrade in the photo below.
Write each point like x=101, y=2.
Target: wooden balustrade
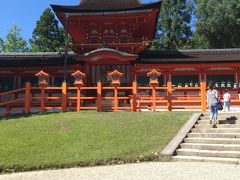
x=101, y=98
x=10, y=99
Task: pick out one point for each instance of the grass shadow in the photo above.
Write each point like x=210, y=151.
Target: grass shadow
x=24, y=115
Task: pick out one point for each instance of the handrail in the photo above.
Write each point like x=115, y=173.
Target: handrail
x=187, y=88
x=144, y=88
x=12, y=92
x=11, y=101
x=53, y=88
x=101, y=97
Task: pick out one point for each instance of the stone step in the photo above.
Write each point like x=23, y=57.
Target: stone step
x=214, y=135
x=203, y=146
x=222, y=116
x=221, y=121
x=205, y=159
x=220, y=113
x=206, y=143
x=216, y=130
x=218, y=125
x=213, y=140
x=208, y=153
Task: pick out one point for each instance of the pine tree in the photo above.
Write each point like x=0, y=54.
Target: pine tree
x=218, y=23
x=174, y=28
x=1, y=45
x=47, y=36
x=14, y=41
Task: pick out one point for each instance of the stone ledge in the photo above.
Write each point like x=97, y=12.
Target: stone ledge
x=170, y=149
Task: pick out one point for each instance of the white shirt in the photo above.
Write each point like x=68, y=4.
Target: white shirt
x=226, y=97
x=212, y=96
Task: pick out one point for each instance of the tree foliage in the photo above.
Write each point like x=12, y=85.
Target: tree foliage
x=218, y=24
x=47, y=36
x=174, y=28
x=1, y=45
x=13, y=41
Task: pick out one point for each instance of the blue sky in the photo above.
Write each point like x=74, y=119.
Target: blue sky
x=25, y=13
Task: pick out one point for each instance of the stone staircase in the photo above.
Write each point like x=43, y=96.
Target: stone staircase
x=206, y=143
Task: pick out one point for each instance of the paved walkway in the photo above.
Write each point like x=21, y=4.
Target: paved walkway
x=141, y=171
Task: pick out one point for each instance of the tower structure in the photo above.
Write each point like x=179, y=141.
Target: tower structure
x=124, y=25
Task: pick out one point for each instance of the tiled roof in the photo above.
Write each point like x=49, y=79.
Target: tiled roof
x=26, y=55
x=162, y=56
x=165, y=53
x=195, y=55
x=34, y=59
x=108, y=4
x=105, y=6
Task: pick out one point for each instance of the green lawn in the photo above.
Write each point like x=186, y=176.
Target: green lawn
x=87, y=138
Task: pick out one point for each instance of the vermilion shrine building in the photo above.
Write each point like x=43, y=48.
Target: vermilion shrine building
x=110, y=35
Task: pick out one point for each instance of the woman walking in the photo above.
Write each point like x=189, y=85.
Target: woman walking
x=212, y=102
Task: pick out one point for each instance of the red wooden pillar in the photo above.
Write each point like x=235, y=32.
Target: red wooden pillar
x=165, y=79
x=200, y=77
x=115, y=98
x=78, y=99
x=64, y=96
x=27, y=97
x=134, y=96
x=169, y=93
x=203, y=95
x=88, y=70
x=99, y=96
x=133, y=73
x=18, y=81
x=203, y=91
x=90, y=73
x=43, y=97
x=236, y=78
x=154, y=98
x=205, y=77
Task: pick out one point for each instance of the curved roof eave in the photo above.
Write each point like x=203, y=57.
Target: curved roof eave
x=79, y=9
x=109, y=50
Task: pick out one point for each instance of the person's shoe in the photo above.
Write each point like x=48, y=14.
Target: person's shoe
x=210, y=121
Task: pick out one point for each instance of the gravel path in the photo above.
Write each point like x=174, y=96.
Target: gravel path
x=142, y=171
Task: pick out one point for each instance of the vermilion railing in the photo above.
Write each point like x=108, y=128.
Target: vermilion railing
x=9, y=99
x=133, y=98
